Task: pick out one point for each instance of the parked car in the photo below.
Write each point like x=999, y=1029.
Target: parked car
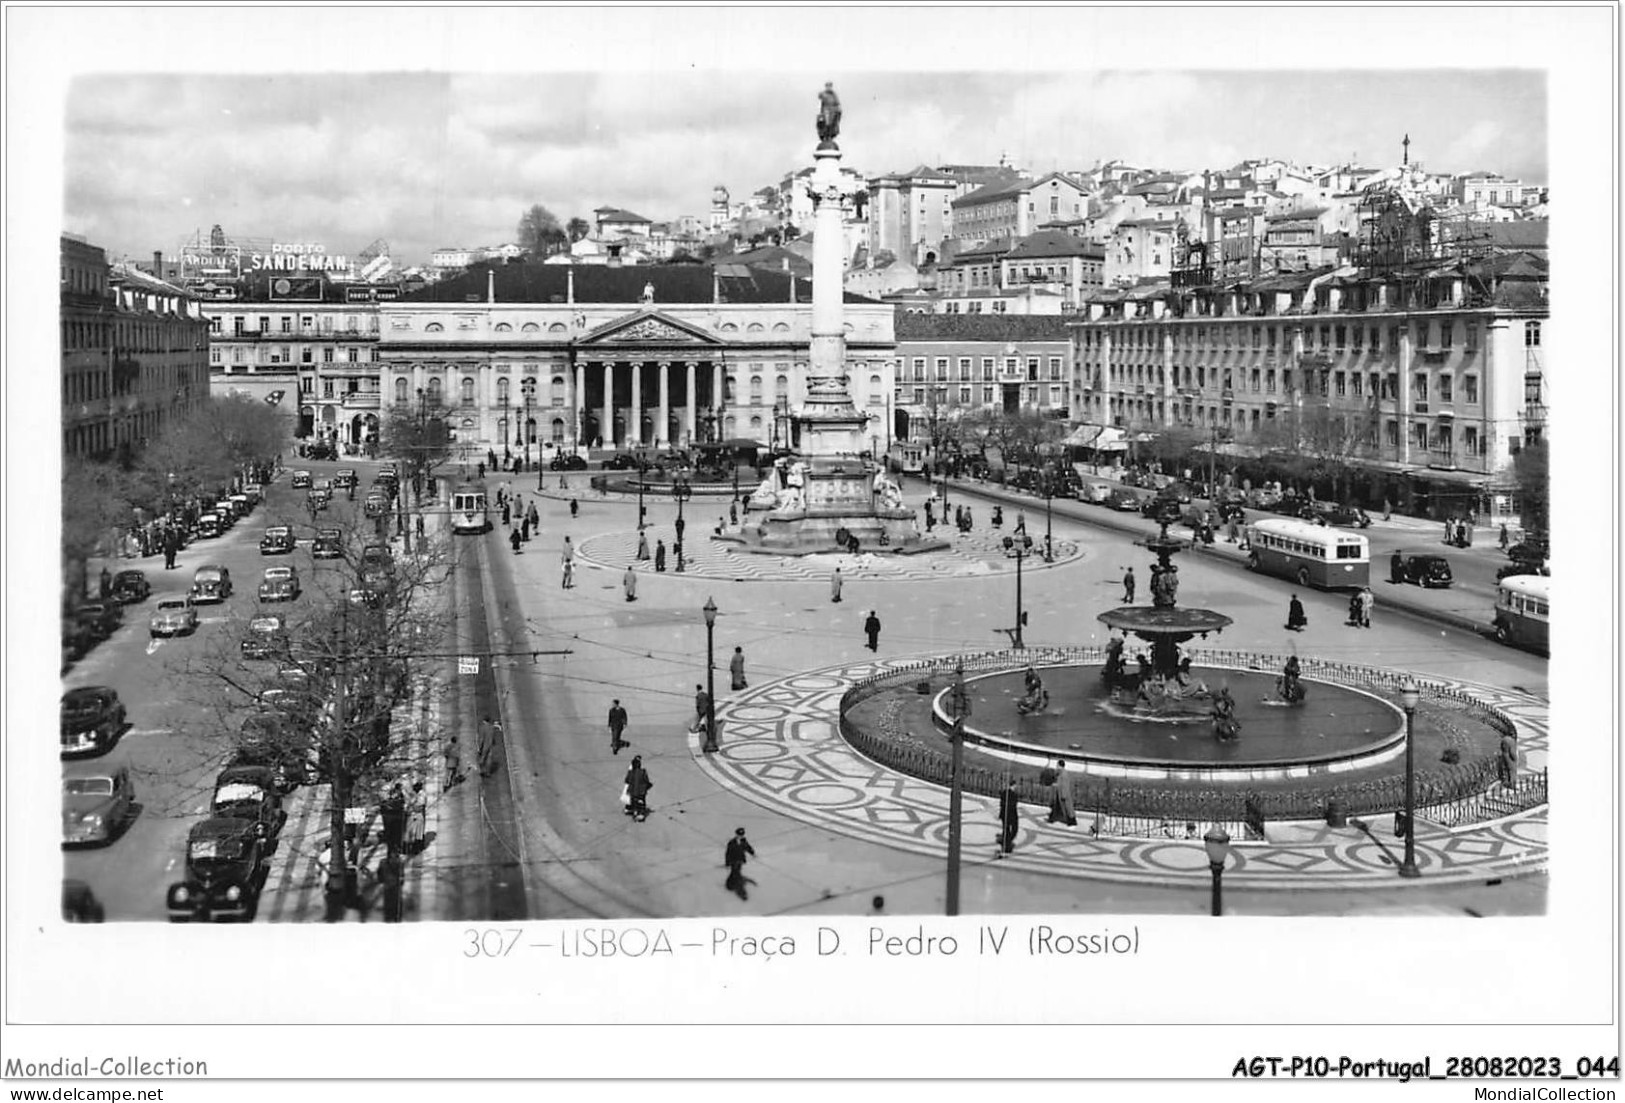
x=277, y=740
x=77, y=639
x=1523, y=566
x=1097, y=494
x=345, y=478
x=96, y=804
x=266, y=638
x=1427, y=571
x=377, y=503
x=250, y=793
x=318, y=498
x=278, y=540
x=226, y=867
x=210, y=525
x=175, y=614
x=1134, y=478
x=567, y=461
x=102, y=617
x=211, y=584
x=255, y=492
x=301, y=480
x=79, y=904
x=1124, y=500
x=131, y=587
x=279, y=584
x=242, y=505
x=1330, y=513
x=1261, y=498
x=92, y=719
x=329, y=544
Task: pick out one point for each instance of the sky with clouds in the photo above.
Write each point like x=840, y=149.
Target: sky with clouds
x=429, y=159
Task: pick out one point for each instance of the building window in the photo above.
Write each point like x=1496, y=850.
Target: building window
x=400, y=390
x=964, y=369
x=1447, y=333
x=327, y=388
x=307, y=385
x=1420, y=387
x=919, y=369
x=987, y=396
x=327, y=354
x=1357, y=384
x=942, y=369
x=1269, y=381
x=1055, y=367
x=468, y=391
x=352, y=356
x=919, y=396
x=964, y=396
x=1470, y=441
x=1340, y=389
x=1472, y=336
x=1531, y=388
x=1531, y=334
x=987, y=369
x=286, y=324
x=305, y=356
x=1446, y=389
x=1469, y=386
x=877, y=394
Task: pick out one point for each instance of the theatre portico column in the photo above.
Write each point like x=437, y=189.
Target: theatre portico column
x=718, y=391
x=634, y=427
x=693, y=401
x=663, y=429
x=578, y=402
x=606, y=425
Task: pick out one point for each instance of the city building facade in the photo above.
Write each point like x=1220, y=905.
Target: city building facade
x=950, y=366
x=135, y=353
x=526, y=359
x=1014, y=209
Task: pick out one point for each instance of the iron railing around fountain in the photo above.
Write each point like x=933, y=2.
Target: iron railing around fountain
x=1449, y=794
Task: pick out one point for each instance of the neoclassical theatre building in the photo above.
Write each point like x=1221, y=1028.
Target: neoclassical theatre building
x=527, y=356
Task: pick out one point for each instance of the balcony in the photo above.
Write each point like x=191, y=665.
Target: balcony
x=362, y=400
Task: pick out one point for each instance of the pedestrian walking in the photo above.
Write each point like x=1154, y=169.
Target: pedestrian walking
x=734, y=856
x=1354, y=610
x=643, y=547
x=1296, y=619
x=524, y=530
x=417, y=819
x=835, y=585
x=617, y=727
x=871, y=628
x=638, y=785
x=1128, y=586
x=575, y=508
x=1368, y=601
x=534, y=518
x=733, y=514
x=515, y=539
x=1503, y=536
x=392, y=817
x=660, y=555
x=454, y=760
x=736, y=669
x=1507, y=761
x=1009, y=819
x=1060, y=800
x=106, y=584
x=507, y=515
x=171, y=546
x=702, y=710
x=629, y=583
x=486, y=748
x=567, y=560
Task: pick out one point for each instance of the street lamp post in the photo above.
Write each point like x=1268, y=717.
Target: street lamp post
x=1217, y=844
x=960, y=703
x=681, y=492
x=710, y=611
x=1020, y=548
x=1049, y=526
x=643, y=470
x=1409, y=696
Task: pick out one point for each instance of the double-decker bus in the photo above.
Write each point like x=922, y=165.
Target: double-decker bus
x=1523, y=610
x=1309, y=554
x=468, y=509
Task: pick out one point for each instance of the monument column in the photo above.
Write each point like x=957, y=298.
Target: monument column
x=606, y=426
x=663, y=430
x=693, y=401
x=634, y=425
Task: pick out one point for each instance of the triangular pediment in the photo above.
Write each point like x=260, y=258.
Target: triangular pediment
x=648, y=327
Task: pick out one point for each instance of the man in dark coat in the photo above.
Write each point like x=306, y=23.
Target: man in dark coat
x=1396, y=567
x=734, y=857
x=617, y=725
x=1128, y=586
x=871, y=628
x=637, y=790
x=702, y=709
x=106, y=583
x=1296, y=619
x=736, y=669
x=660, y=555
x=1009, y=819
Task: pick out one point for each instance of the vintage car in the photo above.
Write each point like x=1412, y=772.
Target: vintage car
x=1427, y=571
x=1125, y=501
x=242, y=505
x=316, y=499
x=131, y=587
x=255, y=492
x=301, y=480
x=278, y=540
x=368, y=597
x=279, y=584
x=567, y=461
x=329, y=544
x=377, y=503
x=211, y=584
x=175, y=614
x=79, y=904
x=1096, y=494
x=102, y=617
x=77, y=639
x=226, y=866
x=266, y=637
x=345, y=478
x=620, y=461
x=375, y=559
x=1332, y=513
x=250, y=793
x=209, y=524
x=96, y=804
x=92, y=719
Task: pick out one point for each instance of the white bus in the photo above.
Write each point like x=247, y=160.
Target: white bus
x=1523, y=610
x=1309, y=554
x=468, y=509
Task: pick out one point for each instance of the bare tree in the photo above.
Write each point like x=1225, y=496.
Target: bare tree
x=419, y=437
x=539, y=232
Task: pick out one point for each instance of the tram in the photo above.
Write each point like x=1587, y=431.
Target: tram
x=1523, y=610
x=469, y=511
x=1309, y=554
x=906, y=459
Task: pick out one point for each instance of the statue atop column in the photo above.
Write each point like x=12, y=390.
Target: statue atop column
x=829, y=116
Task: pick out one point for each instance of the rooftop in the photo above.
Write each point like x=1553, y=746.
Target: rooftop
x=981, y=327
x=1053, y=243
x=737, y=284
